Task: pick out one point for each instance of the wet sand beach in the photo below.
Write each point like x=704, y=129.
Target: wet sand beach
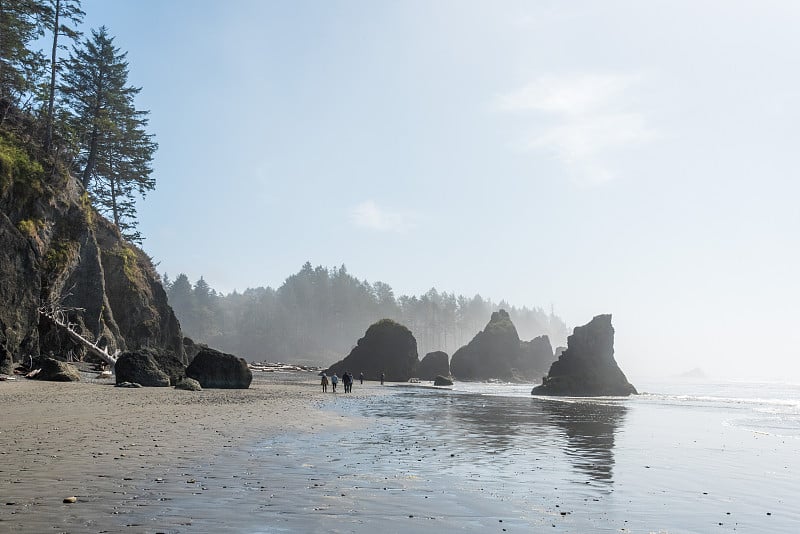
x=283, y=457
x=123, y=451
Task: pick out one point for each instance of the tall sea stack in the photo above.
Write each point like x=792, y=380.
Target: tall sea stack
x=587, y=367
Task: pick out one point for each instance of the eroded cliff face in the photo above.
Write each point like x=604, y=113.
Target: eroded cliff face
x=57, y=251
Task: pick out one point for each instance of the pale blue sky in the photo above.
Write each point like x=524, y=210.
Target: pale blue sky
x=634, y=158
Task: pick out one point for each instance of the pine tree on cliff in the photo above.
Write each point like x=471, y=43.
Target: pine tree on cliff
x=116, y=151
x=20, y=67
x=63, y=18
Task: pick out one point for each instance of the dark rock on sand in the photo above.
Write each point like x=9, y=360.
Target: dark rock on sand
x=215, y=369
x=387, y=347
x=174, y=368
x=434, y=364
x=56, y=371
x=189, y=384
x=128, y=385
x=442, y=381
x=587, y=368
x=497, y=352
x=141, y=367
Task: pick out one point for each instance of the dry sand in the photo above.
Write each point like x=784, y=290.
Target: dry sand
x=119, y=451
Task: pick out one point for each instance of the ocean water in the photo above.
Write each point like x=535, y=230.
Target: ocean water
x=677, y=458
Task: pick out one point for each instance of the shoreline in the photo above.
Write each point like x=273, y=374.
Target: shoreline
x=120, y=450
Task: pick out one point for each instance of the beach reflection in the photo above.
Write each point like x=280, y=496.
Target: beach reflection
x=589, y=428
x=490, y=426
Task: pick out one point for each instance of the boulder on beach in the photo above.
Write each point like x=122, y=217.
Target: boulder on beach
x=56, y=371
x=174, y=368
x=140, y=367
x=215, y=369
x=387, y=347
x=497, y=353
x=442, y=381
x=434, y=364
x=587, y=367
x=189, y=384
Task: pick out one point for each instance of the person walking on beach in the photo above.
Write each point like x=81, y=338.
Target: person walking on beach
x=361, y=377
x=382, y=377
x=324, y=383
x=334, y=381
x=348, y=382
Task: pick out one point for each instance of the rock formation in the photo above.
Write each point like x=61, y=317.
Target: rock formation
x=432, y=365
x=57, y=251
x=189, y=384
x=442, y=381
x=215, y=369
x=140, y=367
x=496, y=352
x=387, y=347
x=56, y=371
x=587, y=367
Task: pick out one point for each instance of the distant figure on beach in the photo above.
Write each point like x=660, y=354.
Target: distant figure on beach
x=346, y=380
x=324, y=383
x=361, y=378
x=382, y=377
x=334, y=381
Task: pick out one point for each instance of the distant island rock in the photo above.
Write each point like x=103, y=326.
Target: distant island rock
x=387, y=348
x=433, y=365
x=587, y=367
x=497, y=353
x=693, y=374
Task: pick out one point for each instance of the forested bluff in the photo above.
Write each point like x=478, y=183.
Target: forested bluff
x=75, y=159
x=317, y=315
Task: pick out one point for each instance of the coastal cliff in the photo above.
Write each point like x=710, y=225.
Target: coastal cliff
x=58, y=253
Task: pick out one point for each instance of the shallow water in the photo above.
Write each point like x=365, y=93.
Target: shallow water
x=679, y=458
x=711, y=458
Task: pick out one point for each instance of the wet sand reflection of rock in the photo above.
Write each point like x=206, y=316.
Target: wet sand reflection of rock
x=483, y=425
x=589, y=427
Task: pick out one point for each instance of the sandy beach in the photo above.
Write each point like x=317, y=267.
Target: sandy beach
x=119, y=451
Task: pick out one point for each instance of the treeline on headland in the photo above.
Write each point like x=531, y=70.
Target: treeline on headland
x=318, y=314
x=72, y=107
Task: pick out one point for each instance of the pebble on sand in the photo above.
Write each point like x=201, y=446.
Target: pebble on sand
x=70, y=500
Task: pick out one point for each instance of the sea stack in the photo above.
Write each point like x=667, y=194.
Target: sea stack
x=497, y=353
x=387, y=348
x=587, y=367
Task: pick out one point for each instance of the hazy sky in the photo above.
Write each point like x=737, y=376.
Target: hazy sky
x=636, y=158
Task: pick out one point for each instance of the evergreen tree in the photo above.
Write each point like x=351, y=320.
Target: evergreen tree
x=20, y=67
x=63, y=18
x=116, y=151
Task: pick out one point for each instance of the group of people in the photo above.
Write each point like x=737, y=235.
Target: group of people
x=347, y=380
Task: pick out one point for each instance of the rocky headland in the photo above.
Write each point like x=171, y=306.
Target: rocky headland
x=587, y=367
